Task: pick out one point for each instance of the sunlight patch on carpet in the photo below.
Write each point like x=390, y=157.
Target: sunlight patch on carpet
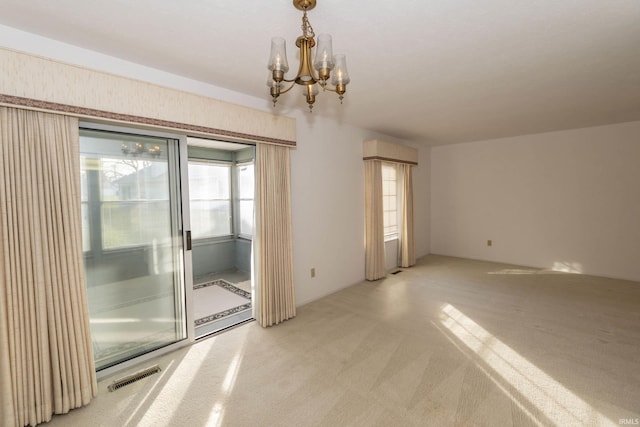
x=537, y=391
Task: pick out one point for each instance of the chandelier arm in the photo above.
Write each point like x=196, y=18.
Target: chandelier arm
x=313, y=73
x=289, y=88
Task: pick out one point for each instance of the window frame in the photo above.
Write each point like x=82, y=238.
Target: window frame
x=239, y=199
x=183, y=319
x=222, y=237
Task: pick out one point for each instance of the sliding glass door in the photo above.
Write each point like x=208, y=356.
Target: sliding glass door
x=132, y=243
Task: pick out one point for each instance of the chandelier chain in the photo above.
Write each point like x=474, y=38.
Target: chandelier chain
x=307, y=29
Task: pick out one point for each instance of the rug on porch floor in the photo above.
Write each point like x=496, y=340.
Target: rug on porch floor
x=220, y=298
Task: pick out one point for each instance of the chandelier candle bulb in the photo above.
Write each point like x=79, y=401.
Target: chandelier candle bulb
x=324, y=56
x=340, y=74
x=310, y=91
x=278, y=60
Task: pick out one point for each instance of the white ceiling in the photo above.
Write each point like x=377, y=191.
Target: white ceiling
x=430, y=71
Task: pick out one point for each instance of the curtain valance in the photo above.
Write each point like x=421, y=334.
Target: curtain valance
x=376, y=149
x=39, y=84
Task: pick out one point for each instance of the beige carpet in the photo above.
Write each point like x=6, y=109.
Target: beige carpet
x=448, y=342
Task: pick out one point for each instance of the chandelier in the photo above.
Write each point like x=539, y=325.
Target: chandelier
x=139, y=149
x=329, y=67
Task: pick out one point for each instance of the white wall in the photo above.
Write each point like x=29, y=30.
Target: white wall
x=328, y=205
x=327, y=172
x=567, y=200
x=422, y=188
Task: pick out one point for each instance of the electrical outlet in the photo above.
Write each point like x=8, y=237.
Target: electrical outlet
x=489, y=242
x=313, y=272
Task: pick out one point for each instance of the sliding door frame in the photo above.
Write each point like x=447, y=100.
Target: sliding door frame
x=180, y=169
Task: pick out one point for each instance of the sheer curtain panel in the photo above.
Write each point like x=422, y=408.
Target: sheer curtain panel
x=406, y=252
x=46, y=358
x=273, y=247
x=374, y=223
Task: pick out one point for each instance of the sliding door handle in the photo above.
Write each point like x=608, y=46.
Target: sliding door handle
x=188, y=240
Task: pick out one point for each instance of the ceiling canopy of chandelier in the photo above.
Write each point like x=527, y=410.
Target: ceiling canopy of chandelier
x=332, y=74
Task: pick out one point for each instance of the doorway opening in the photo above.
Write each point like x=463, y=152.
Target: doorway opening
x=221, y=185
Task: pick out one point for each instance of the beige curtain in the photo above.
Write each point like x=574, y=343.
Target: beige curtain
x=46, y=359
x=273, y=247
x=406, y=252
x=374, y=222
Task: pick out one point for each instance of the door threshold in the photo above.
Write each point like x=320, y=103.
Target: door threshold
x=228, y=322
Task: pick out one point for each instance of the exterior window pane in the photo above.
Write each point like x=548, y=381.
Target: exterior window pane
x=245, y=195
x=246, y=217
x=389, y=199
x=208, y=181
x=210, y=218
x=210, y=199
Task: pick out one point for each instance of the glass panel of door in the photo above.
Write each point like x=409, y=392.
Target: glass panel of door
x=132, y=243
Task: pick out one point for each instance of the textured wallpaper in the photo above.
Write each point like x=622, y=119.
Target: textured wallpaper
x=27, y=79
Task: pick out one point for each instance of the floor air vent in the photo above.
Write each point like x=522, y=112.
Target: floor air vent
x=124, y=381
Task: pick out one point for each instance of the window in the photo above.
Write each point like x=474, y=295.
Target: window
x=389, y=200
x=245, y=198
x=210, y=199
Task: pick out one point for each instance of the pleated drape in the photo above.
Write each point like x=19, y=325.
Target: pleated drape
x=374, y=222
x=406, y=252
x=273, y=245
x=46, y=358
